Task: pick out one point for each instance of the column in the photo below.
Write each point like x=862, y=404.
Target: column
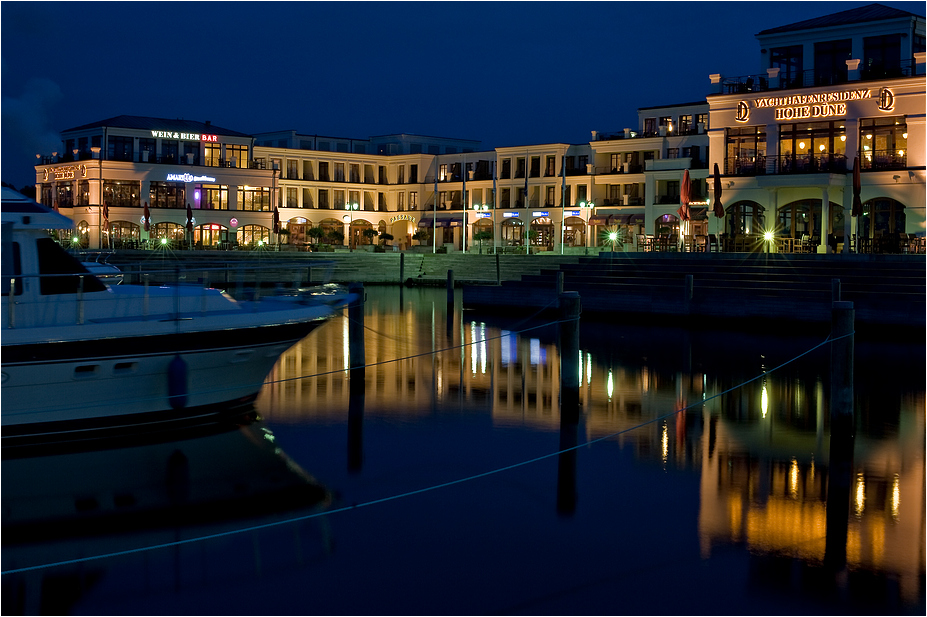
x=772, y=214
x=649, y=193
x=825, y=221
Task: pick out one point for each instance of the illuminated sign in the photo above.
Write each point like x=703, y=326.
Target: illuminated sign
x=185, y=136
x=817, y=105
x=572, y=212
x=510, y=215
x=233, y=222
x=483, y=215
x=538, y=213
x=402, y=217
x=189, y=178
x=69, y=172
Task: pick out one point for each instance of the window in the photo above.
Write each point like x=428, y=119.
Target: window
x=339, y=200
x=83, y=193
x=63, y=195
x=339, y=172
x=323, y=199
x=550, y=167
x=323, y=172
x=213, y=154
x=581, y=193
x=214, y=197
x=122, y=193
x=506, y=198
x=354, y=170
x=650, y=126
x=292, y=169
x=582, y=161
x=812, y=147
x=702, y=119
x=191, y=149
x=307, y=198
x=354, y=199
x=506, y=171
x=830, y=61
x=401, y=178
x=672, y=153
x=237, y=156
x=549, y=199
x=169, y=151
x=614, y=163
x=55, y=260
x=881, y=56
x=746, y=150
x=665, y=121
x=789, y=62
x=307, y=170
x=415, y=148
x=883, y=143
x=12, y=266
x=413, y=174
x=520, y=168
x=535, y=167
x=442, y=173
x=119, y=148
x=685, y=124
x=292, y=197
x=400, y=201
x=413, y=200
x=166, y=195
x=147, y=149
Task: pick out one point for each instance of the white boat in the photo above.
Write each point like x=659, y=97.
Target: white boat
x=78, y=355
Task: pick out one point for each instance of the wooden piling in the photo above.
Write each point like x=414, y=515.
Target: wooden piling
x=357, y=378
x=450, y=288
x=841, y=368
x=570, y=308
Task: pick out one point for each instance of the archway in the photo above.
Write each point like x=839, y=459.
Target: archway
x=803, y=218
x=543, y=230
x=171, y=233
x=574, y=231
x=745, y=218
x=513, y=231
x=211, y=234
x=483, y=233
x=124, y=235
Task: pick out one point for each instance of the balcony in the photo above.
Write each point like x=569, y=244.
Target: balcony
x=745, y=166
x=821, y=164
x=877, y=160
x=812, y=78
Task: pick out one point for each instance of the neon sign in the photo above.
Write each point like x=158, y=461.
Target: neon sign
x=483, y=215
x=402, y=217
x=538, y=213
x=189, y=178
x=185, y=136
x=510, y=215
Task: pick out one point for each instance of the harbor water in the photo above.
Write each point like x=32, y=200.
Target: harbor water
x=441, y=477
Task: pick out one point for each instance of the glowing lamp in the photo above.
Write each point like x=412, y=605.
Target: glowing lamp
x=768, y=235
x=163, y=240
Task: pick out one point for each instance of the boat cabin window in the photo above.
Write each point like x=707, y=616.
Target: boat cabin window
x=11, y=268
x=55, y=260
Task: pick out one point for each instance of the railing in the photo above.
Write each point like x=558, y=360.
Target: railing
x=811, y=78
x=745, y=166
x=875, y=160
x=824, y=163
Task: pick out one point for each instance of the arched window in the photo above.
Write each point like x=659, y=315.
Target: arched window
x=803, y=218
x=251, y=235
x=881, y=216
x=574, y=231
x=667, y=225
x=82, y=234
x=124, y=234
x=745, y=217
x=170, y=232
x=513, y=232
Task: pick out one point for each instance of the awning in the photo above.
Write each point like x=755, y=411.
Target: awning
x=698, y=214
x=454, y=221
x=619, y=219
x=425, y=223
x=598, y=220
x=636, y=219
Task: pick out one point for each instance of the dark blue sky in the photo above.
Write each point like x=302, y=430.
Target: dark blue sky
x=502, y=73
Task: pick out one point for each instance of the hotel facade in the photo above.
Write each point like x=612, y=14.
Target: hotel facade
x=832, y=92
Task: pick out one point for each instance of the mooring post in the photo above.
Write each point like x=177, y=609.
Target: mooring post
x=450, y=288
x=688, y=292
x=559, y=283
x=357, y=363
x=569, y=402
x=835, y=290
x=841, y=368
x=402, y=268
x=498, y=271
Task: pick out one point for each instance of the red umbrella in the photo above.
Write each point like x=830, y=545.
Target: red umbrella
x=276, y=220
x=718, y=208
x=105, y=212
x=189, y=219
x=684, y=191
x=55, y=206
x=857, y=189
x=147, y=216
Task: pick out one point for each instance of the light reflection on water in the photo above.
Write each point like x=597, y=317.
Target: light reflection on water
x=721, y=508
x=760, y=452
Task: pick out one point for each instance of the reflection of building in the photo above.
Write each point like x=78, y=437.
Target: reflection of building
x=831, y=89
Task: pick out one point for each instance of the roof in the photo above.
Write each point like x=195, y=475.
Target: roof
x=145, y=123
x=868, y=13
x=692, y=104
x=24, y=212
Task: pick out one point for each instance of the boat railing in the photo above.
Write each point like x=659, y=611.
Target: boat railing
x=242, y=282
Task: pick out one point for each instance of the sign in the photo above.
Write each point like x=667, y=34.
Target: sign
x=572, y=212
x=233, y=223
x=538, y=213
x=69, y=172
x=189, y=178
x=185, y=136
x=510, y=215
x=816, y=105
x=402, y=217
x=483, y=215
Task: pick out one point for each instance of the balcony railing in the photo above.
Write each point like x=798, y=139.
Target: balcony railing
x=875, y=160
x=745, y=166
x=823, y=163
x=811, y=78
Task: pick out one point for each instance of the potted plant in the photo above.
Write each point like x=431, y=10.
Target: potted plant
x=420, y=236
x=316, y=233
x=336, y=237
x=530, y=237
x=482, y=235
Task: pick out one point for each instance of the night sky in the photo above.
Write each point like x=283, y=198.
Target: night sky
x=502, y=73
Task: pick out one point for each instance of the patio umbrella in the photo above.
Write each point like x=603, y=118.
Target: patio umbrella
x=189, y=219
x=718, y=208
x=105, y=213
x=684, y=191
x=857, y=189
x=147, y=215
x=276, y=220
x=55, y=206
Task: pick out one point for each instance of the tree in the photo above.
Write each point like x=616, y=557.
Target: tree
x=421, y=235
x=316, y=233
x=482, y=235
x=385, y=237
x=335, y=236
x=369, y=234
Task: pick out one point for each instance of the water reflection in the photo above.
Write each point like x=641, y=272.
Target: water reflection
x=75, y=502
x=756, y=434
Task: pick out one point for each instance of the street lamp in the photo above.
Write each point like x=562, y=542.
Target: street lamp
x=349, y=219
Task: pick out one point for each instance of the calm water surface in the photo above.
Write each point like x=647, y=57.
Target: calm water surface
x=446, y=493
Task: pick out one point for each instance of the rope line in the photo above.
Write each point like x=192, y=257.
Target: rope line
x=420, y=491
